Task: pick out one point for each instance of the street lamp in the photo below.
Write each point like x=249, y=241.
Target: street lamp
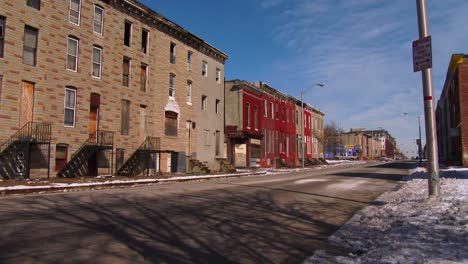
x=303, y=121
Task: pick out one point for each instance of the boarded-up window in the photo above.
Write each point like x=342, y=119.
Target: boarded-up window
x=126, y=71
x=170, y=123
x=30, y=45
x=70, y=106
x=125, y=117
x=2, y=34
x=61, y=155
x=143, y=77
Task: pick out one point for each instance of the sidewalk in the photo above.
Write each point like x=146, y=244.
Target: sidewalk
x=55, y=184
x=406, y=227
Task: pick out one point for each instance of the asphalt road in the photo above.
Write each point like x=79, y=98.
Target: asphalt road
x=256, y=219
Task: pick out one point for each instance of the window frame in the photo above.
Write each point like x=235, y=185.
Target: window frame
x=218, y=75
x=172, y=53
x=69, y=89
x=77, y=11
x=189, y=92
x=256, y=117
x=143, y=77
x=2, y=35
x=99, y=21
x=33, y=50
x=204, y=102
x=96, y=63
x=144, y=40
x=217, y=104
x=126, y=74
x=247, y=109
x=171, y=120
x=69, y=55
x=36, y=4
x=189, y=60
x=172, y=85
x=204, y=68
x=128, y=33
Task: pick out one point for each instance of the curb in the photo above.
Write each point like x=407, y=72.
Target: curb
x=116, y=183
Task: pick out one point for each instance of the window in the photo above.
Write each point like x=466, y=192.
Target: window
x=189, y=91
x=189, y=60
x=171, y=123
x=61, y=153
x=97, y=58
x=204, y=100
x=75, y=7
x=34, y=4
x=126, y=71
x=2, y=34
x=248, y=115
x=127, y=33
x=30, y=46
x=265, y=108
x=72, y=54
x=297, y=117
x=272, y=111
x=283, y=115
x=276, y=110
x=173, y=53
x=70, y=106
x=143, y=77
x=171, y=85
x=256, y=117
x=98, y=19
x=217, y=106
x=144, y=41
x=218, y=75
x=125, y=117
x=204, y=68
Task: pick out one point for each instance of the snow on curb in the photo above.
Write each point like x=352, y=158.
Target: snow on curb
x=407, y=227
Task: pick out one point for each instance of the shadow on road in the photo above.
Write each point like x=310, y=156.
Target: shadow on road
x=208, y=227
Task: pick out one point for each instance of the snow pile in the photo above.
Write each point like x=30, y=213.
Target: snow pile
x=406, y=227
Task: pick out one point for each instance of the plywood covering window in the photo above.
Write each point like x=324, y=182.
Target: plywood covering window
x=143, y=77
x=98, y=19
x=125, y=117
x=170, y=123
x=126, y=71
x=30, y=45
x=74, y=12
x=69, y=107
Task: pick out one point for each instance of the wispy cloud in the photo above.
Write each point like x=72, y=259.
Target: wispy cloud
x=362, y=50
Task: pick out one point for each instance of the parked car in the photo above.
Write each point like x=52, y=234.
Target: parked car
x=345, y=157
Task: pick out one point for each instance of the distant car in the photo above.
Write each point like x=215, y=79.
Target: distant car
x=344, y=157
x=384, y=158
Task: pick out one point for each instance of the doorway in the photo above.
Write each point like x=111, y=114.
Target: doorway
x=27, y=103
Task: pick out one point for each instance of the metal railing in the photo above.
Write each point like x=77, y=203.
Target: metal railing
x=31, y=131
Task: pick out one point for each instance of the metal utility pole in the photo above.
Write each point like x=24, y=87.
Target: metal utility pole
x=420, y=142
x=431, y=134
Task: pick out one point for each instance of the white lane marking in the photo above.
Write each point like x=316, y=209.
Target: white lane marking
x=309, y=180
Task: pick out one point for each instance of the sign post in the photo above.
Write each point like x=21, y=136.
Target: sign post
x=422, y=55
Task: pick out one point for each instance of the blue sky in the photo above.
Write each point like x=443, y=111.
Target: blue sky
x=361, y=50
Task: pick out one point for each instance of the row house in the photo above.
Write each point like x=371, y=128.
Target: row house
x=452, y=113
x=263, y=126
x=92, y=87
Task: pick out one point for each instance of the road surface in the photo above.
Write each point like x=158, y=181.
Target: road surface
x=258, y=219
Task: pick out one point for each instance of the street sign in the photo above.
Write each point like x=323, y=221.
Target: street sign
x=422, y=54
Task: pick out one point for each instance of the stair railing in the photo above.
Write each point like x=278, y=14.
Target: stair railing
x=40, y=132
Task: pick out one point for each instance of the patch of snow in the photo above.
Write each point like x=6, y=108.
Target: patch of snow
x=407, y=227
x=309, y=180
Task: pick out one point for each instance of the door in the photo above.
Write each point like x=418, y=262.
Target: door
x=143, y=123
x=94, y=113
x=27, y=103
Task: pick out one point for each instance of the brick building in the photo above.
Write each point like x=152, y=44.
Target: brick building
x=263, y=126
x=452, y=113
x=109, y=85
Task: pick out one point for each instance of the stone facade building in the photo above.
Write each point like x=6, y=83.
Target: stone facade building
x=114, y=83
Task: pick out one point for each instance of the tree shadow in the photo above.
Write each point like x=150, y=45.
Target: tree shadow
x=222, y=226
